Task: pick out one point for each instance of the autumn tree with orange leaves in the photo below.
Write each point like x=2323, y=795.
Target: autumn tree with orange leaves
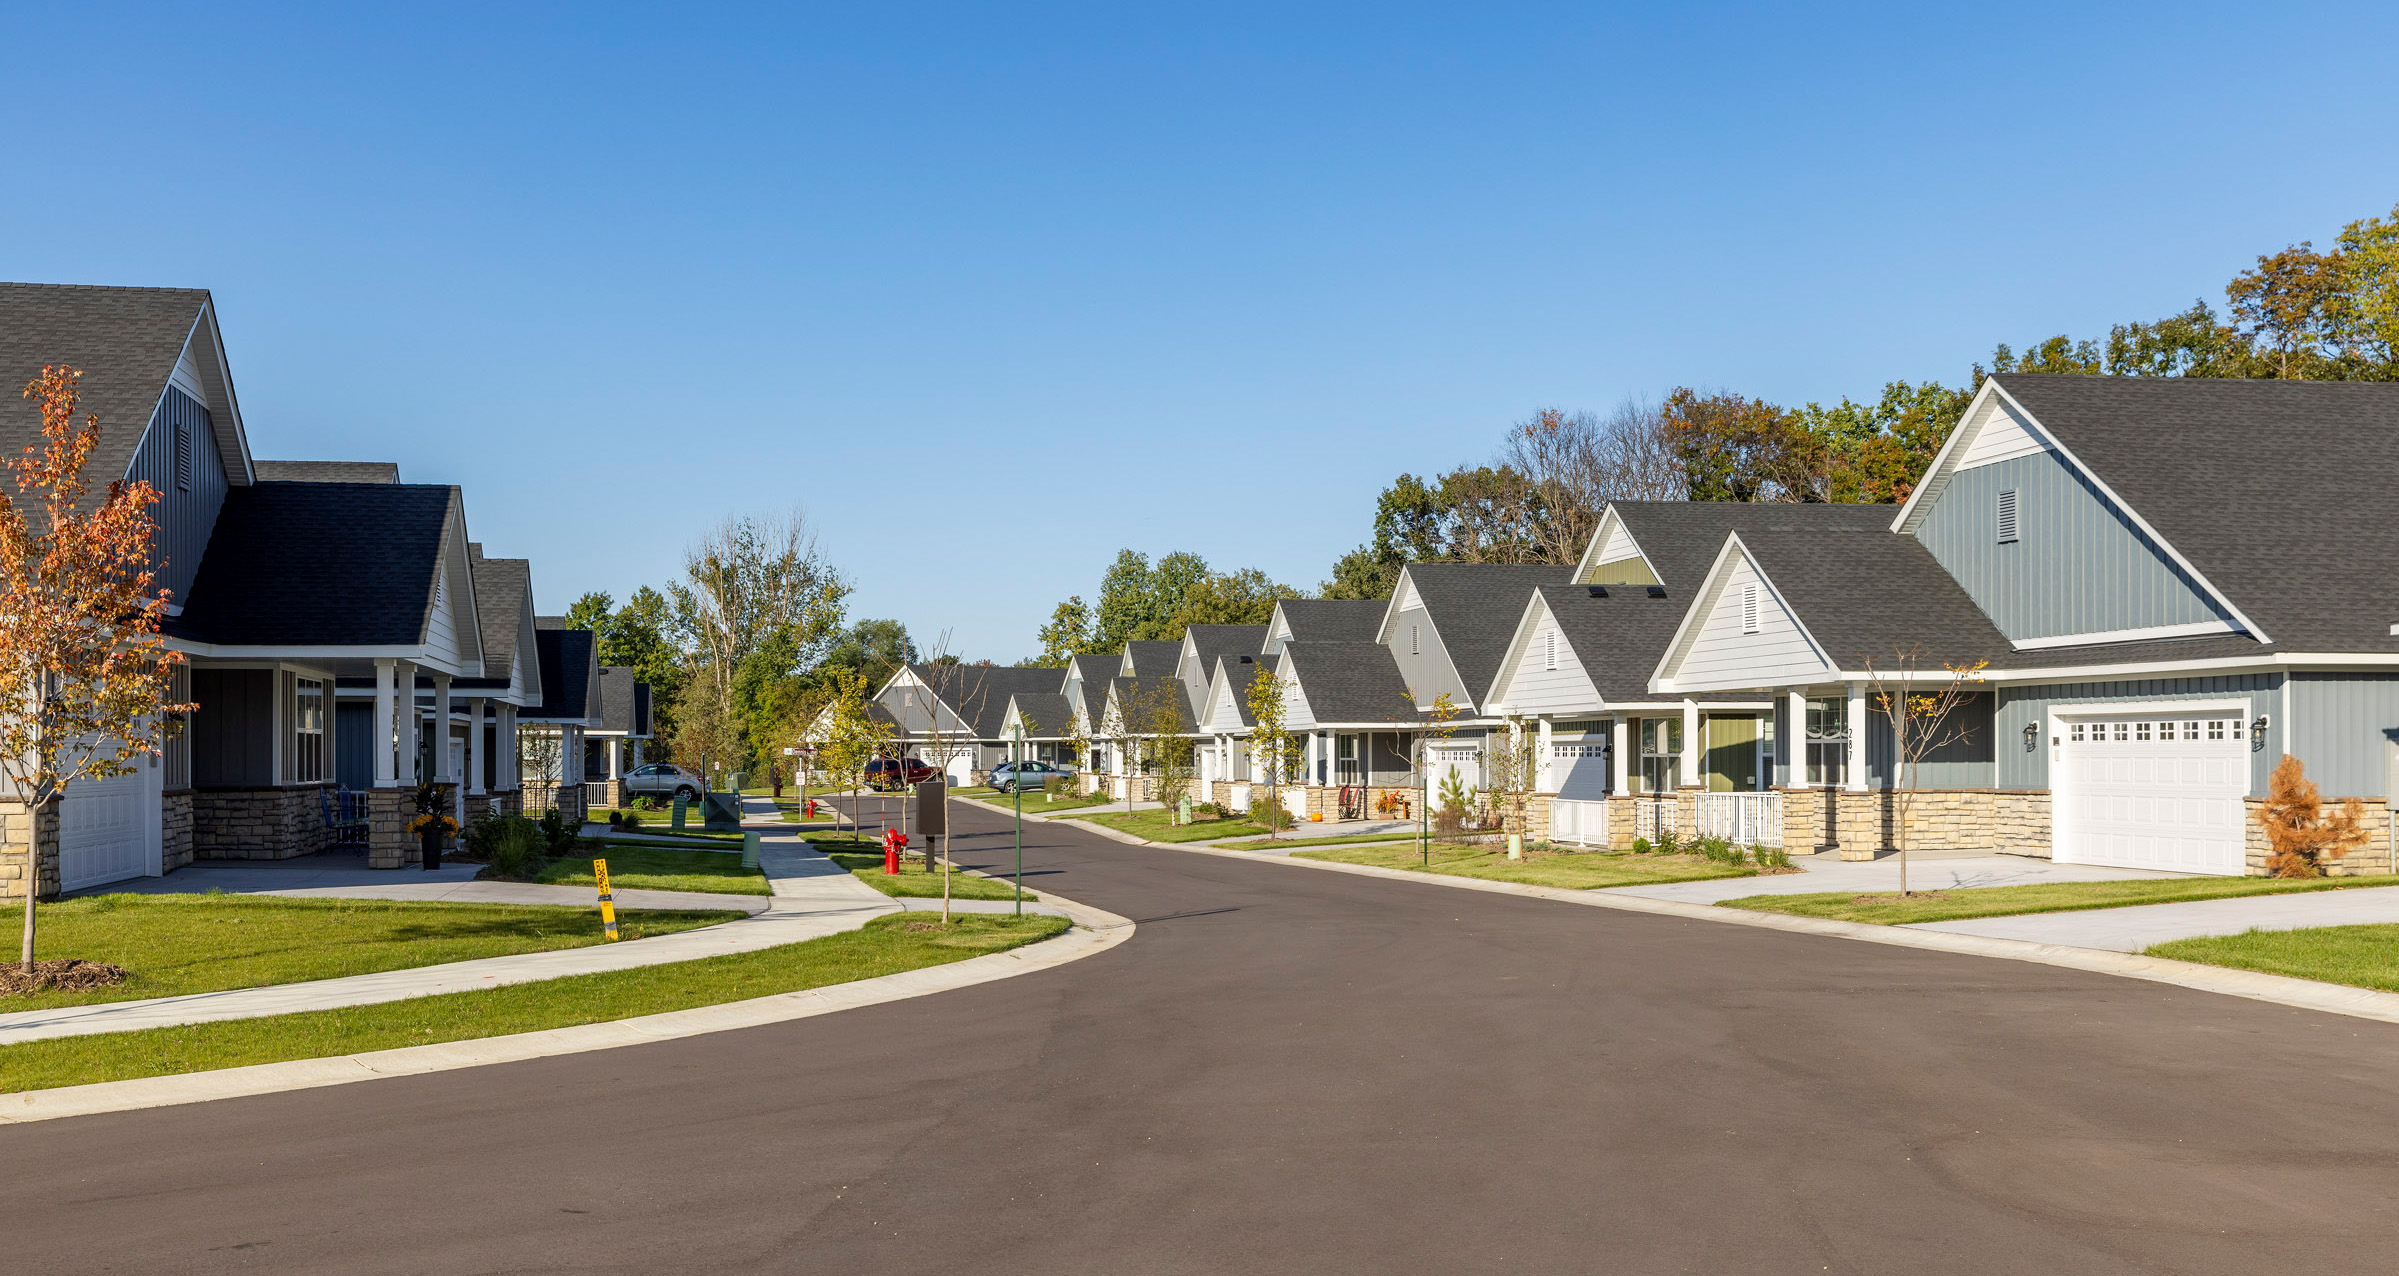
x=84, y=674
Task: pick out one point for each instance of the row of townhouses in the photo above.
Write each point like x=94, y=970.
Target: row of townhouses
x=345, y=637
x=2162, y=586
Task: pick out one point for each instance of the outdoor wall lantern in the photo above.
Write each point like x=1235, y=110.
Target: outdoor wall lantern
x=2257, y=729
x=2032, y=736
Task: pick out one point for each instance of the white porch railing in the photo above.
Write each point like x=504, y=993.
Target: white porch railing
x=1653, y=817
x=1240, y=796
x=1578, y=823
x=1744, y=819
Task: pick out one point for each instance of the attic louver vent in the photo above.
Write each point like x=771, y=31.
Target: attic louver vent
x=2007, y=517
x=1749, y=609
x=183, y=451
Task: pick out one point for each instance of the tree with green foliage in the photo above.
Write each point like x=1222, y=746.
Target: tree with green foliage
x=1271, y=744
x=1139, y=601
x=637, y=636
x=1067, y=634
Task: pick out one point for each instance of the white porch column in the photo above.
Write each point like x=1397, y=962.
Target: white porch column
x=474, y=745
x=1620, y=760
x=511, y=770
x=1544, y=767
x=1796, y=706
x=616, y=757
x=441, y=729
x=412, y=722
x=1693, y=754
x=387, y=774
x=1857, y=737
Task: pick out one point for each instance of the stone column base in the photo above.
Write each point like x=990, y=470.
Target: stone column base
x=28, y=850
x=389, y=843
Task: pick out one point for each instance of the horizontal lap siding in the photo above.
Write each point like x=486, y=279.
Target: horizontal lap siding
x=2021, y=768
x=1722, y=656
x=1535, y=689
x=2077, y=565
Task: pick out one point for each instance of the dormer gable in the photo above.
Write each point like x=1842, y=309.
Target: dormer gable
x=1613, y=556
x=1542, y=673
x=1740, y=632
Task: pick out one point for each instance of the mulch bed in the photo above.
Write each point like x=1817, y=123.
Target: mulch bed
x=69, y=975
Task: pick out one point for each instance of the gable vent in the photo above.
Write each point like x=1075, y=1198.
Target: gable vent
x=1413, y=649
x=2007, y=517
x=1749, y=609
x=1549, y=649
x=183, y=450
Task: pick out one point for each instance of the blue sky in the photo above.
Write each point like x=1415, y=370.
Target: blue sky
x=991, y=292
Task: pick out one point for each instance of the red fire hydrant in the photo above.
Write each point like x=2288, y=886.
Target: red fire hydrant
x=894, y=841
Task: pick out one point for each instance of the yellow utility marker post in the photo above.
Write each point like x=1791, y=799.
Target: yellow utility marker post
x=599, y=869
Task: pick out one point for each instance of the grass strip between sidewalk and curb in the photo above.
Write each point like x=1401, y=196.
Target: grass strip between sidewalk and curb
x=634, y=867
x=2364, y=956
x=1888, y=909
x=174, y=945
x=1155, y=826
x=887, y=945
x=1355, y=839
x=1583, y=871
x=913, y=882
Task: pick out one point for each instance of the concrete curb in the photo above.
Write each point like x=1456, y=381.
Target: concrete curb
x=2281, y=990
x=1095, y=931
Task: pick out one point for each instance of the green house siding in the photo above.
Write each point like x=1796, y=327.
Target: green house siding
x=2077, y=566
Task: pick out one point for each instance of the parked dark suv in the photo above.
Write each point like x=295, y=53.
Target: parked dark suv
x=886, y=774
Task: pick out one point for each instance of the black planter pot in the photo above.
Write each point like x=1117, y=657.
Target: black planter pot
x=430, y=845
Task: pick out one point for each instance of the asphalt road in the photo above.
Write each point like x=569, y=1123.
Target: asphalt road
x=1296, y=1071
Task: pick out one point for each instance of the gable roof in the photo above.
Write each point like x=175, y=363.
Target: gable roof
x=570, y=668
x=1474, y=608
x=127, y=342
x=503, y=601
x=1234, y=675
x=1681, y=538
x=1150, y=659
x=1211, y=642
x=328, y=471
x=1617, y=639
x=624, y=701
x=2276, y=493
x=1333, y=619
x=321, y=565
x=979, y=694
x=1348, y=682
x=1045, y=714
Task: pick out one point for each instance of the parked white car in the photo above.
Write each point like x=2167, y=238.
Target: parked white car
x=664, y=780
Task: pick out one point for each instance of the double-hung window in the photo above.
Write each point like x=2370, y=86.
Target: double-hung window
x=308, y=730
x=1828, y=740
x=1661, y=755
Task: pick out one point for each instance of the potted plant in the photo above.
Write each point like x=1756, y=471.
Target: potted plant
x=433, y=824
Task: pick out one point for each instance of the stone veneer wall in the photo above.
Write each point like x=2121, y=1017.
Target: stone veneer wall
x=28, y=848
x=258, y=824
x=175, y=830
x=2372, y=858
x=509, y=801
x=2008, y=821
x=389, y=843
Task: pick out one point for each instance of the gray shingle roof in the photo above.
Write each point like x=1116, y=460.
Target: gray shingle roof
x=1681, y=538
x=570, y=666
x=1136, y=695
x=624, y=701
x=1620, y=638
x=503, y=593
x=319, y=564
x=1866, y=595
x=1154, y=659
x=1475, y=606
x=2279, y=492
x=126, y=341
x=1351, y=682
x=1334, y=619
x=1044, y=713
x=1240, y=675
x=327, y=471
x=979, y=693
x=1214, y=641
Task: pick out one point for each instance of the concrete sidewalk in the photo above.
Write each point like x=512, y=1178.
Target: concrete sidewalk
x=2130, y=930
x=1822, y=874
x=813, y=897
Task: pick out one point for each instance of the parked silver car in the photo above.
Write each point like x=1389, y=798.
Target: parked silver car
x=1008, y=777
x=664, y=780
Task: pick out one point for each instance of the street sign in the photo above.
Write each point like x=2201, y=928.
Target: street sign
x=932, y=807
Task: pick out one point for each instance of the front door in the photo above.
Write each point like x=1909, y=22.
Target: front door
x=1732, y=763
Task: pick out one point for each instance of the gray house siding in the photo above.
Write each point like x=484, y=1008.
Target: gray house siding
x=2343, y=726
x=354, y=747
x=2077, y=567
x=1427, y=670
x=2021, y=768
x=1963, y=763
x=233, y=732
x=186, y=516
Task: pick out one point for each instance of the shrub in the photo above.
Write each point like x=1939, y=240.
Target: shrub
x=1669, y=844
x=1772, y=857
x=1721, y=850
x=516, y=848
x=1059, y=784
x=557, y=835
x=1641, y=846
x=2300, y=838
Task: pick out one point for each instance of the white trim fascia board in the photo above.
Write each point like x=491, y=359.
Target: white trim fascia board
x=1383, y=631
x=1661, y=681
x=2281, y=663
x=2216, y=704
x=1904, y=521
x=1599, y=538
x=233, y=406
x=2196, y=629
x=414, y=655
x=2124, y=507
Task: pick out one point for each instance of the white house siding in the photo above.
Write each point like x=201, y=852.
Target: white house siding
x=1721, y=657
x=1532, y=688
x=1999, y=434
x=441, y=629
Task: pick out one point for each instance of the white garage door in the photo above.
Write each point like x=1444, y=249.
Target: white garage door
x=1579, y=769
x=104, y=829
x=2153, y=792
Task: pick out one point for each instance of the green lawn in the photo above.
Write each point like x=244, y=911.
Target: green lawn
x=2044, y=897
x=1042, y=802
x=661, y=868
x=175, y=944
x=886, y=946
x=1153, y=825
x=2366, y=956
x=1266, y=844
x=1586, y=871
x=913, y=882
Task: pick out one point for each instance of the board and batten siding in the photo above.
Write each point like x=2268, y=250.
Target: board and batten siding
x=186, y=515
x=1534, y=688
x=2344, y=728
x=1424, y=664
x=1963, y=763
x=2078, y=566
x=2022, y=768
x=233, y=731
x=1721, y=657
